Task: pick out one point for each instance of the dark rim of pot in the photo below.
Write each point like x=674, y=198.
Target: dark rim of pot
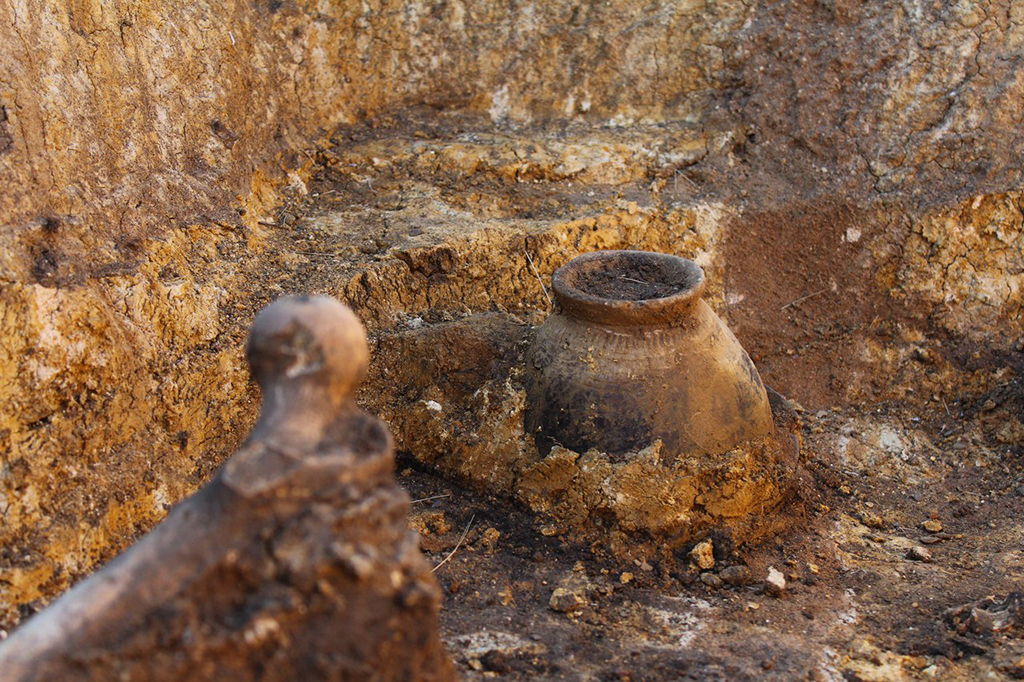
x=677, y=282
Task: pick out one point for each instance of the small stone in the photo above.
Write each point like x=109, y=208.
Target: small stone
x=685, y=578
x=626, y=578
x=845, y=490
x=752, y=606
x=813, y=569
x=932, y=526
x=922, y=355
x=703, y=555
x=775, y=583
x=490, y=538
x=929, y=540
x=496, y=661
x=711, y=580
x=736, y=576
x=872, y=520
x=566, y=600
x=919, y=554
x=429, y=522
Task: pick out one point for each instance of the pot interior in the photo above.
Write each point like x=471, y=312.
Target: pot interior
x=629, y=276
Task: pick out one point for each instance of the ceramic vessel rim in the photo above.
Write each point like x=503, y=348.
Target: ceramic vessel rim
x=669, y=310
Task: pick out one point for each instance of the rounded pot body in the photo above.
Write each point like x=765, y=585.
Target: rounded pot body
x=613, y=371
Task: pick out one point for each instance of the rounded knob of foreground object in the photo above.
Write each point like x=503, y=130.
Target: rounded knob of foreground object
x=308, y=339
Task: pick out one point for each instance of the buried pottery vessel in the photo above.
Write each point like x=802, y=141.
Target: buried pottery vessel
x=632, y=355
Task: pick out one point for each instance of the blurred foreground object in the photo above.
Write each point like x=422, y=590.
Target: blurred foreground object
x=294, y=562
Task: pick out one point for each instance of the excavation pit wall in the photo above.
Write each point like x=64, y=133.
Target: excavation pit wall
x=162, y=347
x=867, y=165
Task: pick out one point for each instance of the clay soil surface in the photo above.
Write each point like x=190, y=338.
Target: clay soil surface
x=847, y=174
x=857, y=605
x=914, y=485
x=911, y=435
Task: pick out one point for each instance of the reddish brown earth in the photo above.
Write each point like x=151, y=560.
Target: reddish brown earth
x=847, y=173
x=904, y=422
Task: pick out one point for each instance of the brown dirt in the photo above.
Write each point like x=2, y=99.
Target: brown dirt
x=847, y=173
x=883, y=453
x=629, y=282
x=856, y=606
x=809, y=303
x=626, y=286
x=821, y=323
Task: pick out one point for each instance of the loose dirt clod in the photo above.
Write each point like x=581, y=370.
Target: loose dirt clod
x=737, y=576
x=711, y=580
x=567, y=600
x=775, y=582
x=703, y=555
x=917, y=553
x=988, y=615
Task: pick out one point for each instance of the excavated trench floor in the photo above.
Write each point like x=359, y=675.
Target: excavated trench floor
x=912, y=487
x=911, y=501
x=911, y=497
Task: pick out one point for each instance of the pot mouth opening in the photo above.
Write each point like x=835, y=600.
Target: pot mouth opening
x=626, y=287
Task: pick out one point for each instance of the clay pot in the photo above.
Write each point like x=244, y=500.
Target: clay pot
x=633, y=354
